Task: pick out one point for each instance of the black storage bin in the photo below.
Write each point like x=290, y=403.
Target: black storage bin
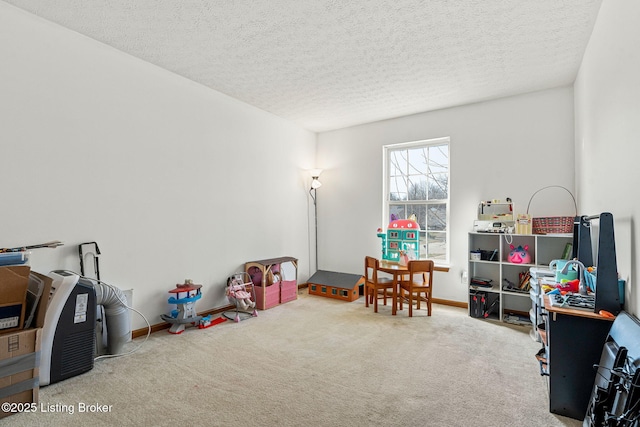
x=477, y=303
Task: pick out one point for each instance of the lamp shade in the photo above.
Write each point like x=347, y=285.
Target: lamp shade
x=315, y=183
x=315, y=173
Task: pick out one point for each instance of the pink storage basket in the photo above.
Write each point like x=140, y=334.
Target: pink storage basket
x=288, y=290
x=271, y=296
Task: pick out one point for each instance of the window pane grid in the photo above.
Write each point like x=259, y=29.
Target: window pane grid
x=418, y=184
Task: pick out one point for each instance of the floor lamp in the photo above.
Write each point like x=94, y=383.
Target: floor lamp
x=315, y=184
x=331, y=284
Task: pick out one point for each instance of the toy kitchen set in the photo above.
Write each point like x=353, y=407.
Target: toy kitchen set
x=585, y=328
x=495, y=216
x=609, y=297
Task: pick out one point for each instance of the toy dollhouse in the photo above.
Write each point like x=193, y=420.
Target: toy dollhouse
x=331, y=284
x=402, y=235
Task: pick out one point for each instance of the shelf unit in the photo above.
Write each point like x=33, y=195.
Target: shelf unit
x=543, y=248
x=539, y=277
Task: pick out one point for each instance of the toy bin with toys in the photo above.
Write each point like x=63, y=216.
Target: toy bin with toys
x=275, y=281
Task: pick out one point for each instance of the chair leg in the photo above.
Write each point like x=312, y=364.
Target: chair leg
x=375, y=300
x=366, y=296
x=410, y=304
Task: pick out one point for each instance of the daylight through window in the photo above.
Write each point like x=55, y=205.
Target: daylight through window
x=417, y=183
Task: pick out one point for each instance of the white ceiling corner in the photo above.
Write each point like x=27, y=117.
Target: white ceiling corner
x=329, y=64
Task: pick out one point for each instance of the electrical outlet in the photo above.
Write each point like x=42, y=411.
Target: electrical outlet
x=464, y=277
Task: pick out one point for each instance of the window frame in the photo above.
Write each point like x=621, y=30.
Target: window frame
x=386, y=185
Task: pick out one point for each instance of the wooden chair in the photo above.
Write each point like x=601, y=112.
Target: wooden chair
x=374, y=284
x=418, y=281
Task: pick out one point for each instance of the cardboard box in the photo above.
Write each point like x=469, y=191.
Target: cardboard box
x=14, y=281
x=20, y=355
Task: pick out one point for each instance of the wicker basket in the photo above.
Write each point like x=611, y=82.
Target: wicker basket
x=553, y=224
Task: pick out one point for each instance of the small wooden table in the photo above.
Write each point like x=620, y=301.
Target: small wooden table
x=398, y=271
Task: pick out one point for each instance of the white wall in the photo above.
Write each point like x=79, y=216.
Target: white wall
x=176, y=181
x=509, y=147
x=607, y=105
x=173, y=180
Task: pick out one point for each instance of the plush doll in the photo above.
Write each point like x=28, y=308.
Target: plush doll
x=519, y=255
x=404, y=258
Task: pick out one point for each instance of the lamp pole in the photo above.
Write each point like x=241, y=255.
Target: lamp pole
x=313, y=194
x=315, y=184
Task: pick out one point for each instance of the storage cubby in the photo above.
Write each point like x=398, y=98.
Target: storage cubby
x=275, y=281
x=485, y=264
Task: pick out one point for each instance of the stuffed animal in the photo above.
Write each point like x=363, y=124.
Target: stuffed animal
x=519, y=255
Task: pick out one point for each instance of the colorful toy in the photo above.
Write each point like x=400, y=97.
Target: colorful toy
x=569, y=286
x=208, y=321
x=402, y=236
x=237, y=293
x=557, y=265
x=519, y=255
x=184, y=296
x=241, y=293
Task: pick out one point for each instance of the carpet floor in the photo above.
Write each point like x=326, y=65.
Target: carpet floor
x=314, y=362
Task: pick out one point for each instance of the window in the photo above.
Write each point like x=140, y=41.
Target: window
x=416, y=182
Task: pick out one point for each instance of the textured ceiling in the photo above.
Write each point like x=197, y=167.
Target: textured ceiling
x=328, y=64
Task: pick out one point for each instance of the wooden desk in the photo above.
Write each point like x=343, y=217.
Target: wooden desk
x=398, y=271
